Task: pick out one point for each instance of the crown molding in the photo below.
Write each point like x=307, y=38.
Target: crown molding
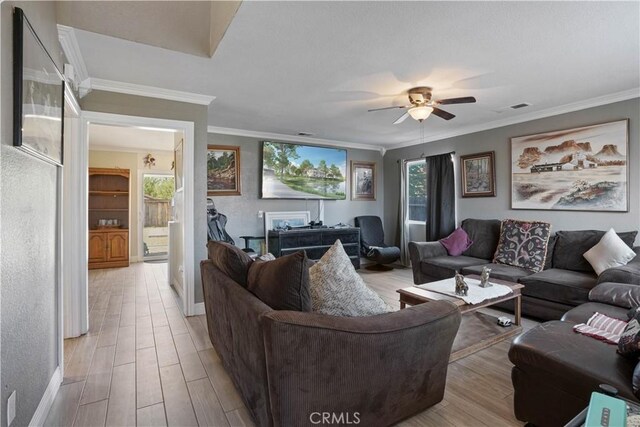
x=294, y=138
x=71, y=48
x=150, y=91
x=535, y=115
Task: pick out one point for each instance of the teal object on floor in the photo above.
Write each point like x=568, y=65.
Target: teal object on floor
x=606, y=411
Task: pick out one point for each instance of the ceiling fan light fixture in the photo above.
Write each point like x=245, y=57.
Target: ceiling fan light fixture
x=420, y=113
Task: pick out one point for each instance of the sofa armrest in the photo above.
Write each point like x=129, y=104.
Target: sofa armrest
x=422, y=250
x=619, y=294
x=629, y=273
x=379, y=368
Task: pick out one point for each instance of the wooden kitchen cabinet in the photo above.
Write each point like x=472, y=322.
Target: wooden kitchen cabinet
x=108, y=202
x=108, y=248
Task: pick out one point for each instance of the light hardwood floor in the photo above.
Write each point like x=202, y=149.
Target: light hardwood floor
x=143, y=363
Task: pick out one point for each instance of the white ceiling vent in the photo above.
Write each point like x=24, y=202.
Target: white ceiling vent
x=518, y=106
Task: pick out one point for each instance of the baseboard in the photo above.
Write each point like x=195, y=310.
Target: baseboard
x=48, y=397
x=198, y=309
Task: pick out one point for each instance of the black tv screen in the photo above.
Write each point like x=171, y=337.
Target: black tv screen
x=295, y=171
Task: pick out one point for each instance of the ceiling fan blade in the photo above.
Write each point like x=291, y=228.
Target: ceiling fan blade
x=402, y=118
x=387, y=108
x=442, y=114
x=463, y=100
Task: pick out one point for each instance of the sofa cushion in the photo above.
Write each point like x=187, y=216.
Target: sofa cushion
x=523, y=244
x=457, y=242
x=282, y=284
x=231, y=260
x=610, y=251
x=338, y=290
x=485, y=234
x=577, y=363
x=499, y=271
x=583, y=312
x=444, y=267
x=571, y=245
x=548, y=260
x=563, y=286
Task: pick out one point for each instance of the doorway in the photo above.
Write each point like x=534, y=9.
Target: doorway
x=77, y=313
x=157, y=194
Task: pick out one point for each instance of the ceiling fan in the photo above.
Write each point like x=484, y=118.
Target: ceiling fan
x=422, y=105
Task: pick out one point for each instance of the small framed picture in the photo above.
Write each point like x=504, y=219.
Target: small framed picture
x=478, y=174
x=38, y=95
x=363, y=180
x=223, y=170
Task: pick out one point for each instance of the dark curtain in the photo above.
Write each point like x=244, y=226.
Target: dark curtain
x=441, y=197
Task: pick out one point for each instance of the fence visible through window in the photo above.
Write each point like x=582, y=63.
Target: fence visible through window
x=417, y=209
x=417, y=191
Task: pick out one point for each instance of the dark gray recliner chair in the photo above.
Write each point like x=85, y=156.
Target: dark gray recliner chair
x=372, y=244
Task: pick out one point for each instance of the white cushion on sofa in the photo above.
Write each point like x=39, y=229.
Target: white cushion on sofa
x=610, y=251
x=337, y=289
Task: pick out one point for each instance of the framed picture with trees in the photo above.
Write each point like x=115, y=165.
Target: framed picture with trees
x=223, y=170
x=296, y=171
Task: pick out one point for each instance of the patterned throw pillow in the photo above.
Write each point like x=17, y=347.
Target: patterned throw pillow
x=338, y=290
x=523, y=244
x=629, y=342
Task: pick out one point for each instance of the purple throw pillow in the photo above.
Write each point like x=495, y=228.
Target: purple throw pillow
x=457, y=242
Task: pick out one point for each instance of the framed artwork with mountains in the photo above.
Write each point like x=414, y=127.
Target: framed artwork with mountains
x=579, y=169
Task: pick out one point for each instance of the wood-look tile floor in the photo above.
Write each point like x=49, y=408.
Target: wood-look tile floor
x=143, y=363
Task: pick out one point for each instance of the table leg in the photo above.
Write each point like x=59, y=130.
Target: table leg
x=402, y=305
x=517, y=310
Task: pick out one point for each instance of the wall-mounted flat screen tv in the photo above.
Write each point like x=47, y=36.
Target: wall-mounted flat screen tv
x=295, y=171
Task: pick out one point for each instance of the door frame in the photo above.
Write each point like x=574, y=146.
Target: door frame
x=74, y=304
x=81, y=174
x=141, y=213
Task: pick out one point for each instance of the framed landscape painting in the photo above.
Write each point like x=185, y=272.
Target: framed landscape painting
x=580, y=169
x=38, y=91
x=223, y=170
x=363, y=180
x=478, y=175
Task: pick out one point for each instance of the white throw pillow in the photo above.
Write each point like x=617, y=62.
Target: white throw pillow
x=610, y=251
x=337, y=289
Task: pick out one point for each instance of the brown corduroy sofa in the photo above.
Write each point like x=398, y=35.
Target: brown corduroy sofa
x=291, y=368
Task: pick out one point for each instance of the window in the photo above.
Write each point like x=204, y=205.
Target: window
x=417, y=191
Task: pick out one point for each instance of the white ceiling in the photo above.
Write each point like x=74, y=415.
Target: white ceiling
x=317, y=67
x=115, y=138
x=193, y=27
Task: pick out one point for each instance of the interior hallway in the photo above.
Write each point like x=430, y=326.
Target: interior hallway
x=143, y=363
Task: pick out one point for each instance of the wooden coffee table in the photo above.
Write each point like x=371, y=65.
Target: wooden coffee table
x=477, y=330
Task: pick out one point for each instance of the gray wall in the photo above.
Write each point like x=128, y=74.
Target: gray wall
x=29, y=216
x=116, y=103
x=243, y=210
x=498, y=140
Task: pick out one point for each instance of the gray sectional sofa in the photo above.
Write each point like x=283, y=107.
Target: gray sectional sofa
x=564, y=283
